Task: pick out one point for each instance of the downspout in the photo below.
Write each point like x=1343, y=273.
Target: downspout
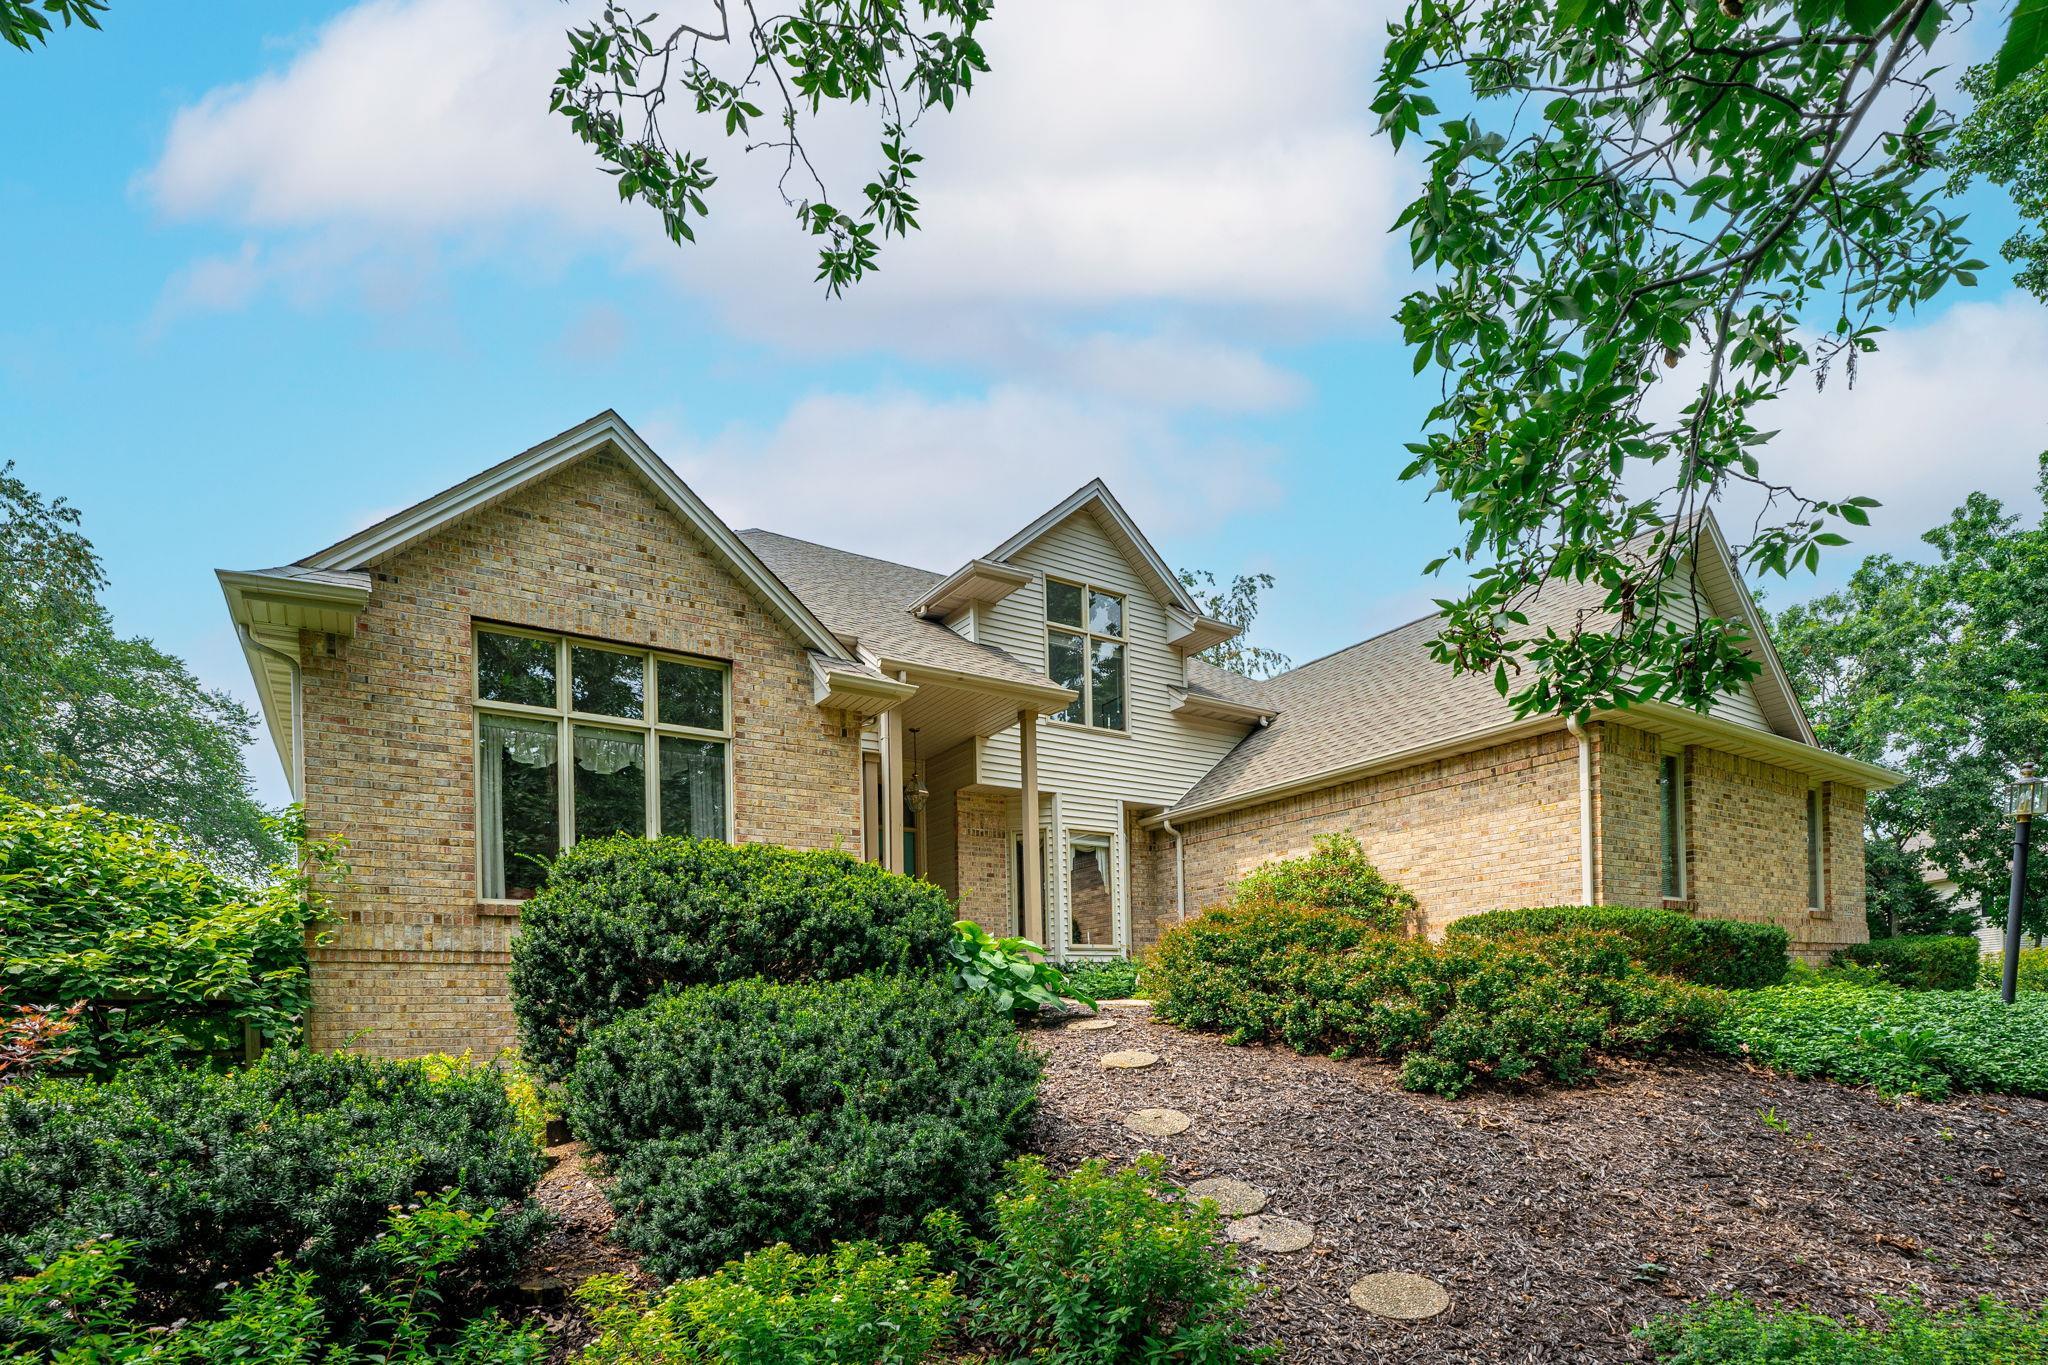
x=1578, y=732
x=1180, y=871
x=297, y=776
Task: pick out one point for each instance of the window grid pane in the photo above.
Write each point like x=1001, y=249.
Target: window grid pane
x=606, y=682
x=611, y=782
x=693, y=787
x=518, y=793
x=1105, y=613
x=1063, y=658
x=1669, y=828
x=1091, y=905
x=1062, y=603
x=515, y=668
x=689, y=694
x=1106, y=681
x=1813, y=849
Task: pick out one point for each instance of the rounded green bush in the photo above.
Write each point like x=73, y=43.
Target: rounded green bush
x=1917, y=962
x=1731, y=954
x=623, y=919
x=211, y=1177
x=1336, y=876
x=741, y=1115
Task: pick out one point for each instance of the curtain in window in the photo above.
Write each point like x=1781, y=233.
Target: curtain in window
x=604, y=753
x=502, y=743
x=692, y=787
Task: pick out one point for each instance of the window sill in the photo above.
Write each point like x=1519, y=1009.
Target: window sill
x=1815, y=912
x=1681, y=904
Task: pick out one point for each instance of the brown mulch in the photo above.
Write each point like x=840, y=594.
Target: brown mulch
x=1560, y=1219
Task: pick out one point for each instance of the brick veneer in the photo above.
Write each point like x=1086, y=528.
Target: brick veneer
x=416, y=964
x=982, y=852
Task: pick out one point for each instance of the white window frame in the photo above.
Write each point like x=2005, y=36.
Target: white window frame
x=566, y=718
x=1680, y=833
x=1117, y=935
x=1816, y=848
x=1088, y=639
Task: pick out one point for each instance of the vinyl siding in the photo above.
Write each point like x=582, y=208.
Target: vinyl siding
x=1740, y=707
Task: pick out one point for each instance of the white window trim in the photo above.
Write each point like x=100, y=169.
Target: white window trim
x=565, y=718
x=1817, y=848
x=1118, y=933
x=1088, y=638
x=1678, y=824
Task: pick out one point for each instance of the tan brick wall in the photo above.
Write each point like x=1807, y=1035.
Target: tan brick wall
x=1152, y=885
x=1626, y=856
x=389, y=737
x=1478, y=831
x=981, y=839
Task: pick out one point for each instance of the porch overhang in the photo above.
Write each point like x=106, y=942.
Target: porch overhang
x=950, y=707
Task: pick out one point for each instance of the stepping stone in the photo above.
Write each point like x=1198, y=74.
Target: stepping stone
x=1410, y=1298
x=1128, y=1061
x=1234, y=1198
x=1157, y=1122
x=1270, y=1232
x=1131, y=1003
x=1090, y=1025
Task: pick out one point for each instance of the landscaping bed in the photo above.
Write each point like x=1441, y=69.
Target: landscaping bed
x=1558, y=1220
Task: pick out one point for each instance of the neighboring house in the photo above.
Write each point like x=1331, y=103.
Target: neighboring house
x=572, y=644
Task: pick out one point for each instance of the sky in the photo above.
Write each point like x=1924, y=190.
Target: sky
x=270, y=275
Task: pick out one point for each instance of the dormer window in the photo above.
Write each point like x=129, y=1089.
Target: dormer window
x=1084, y=650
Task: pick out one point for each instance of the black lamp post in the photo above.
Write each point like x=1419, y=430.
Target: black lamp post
x=2028, y=800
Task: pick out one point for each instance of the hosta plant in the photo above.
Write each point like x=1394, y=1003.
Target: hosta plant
x=1012, y=971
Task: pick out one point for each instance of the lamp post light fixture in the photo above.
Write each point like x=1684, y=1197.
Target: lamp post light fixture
x=2029, y=798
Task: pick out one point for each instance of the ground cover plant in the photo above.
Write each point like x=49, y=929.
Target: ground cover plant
x=854, y=1305
x=1732, y=954
x=1102, y=1265
x=622, y=919
x=1113, y=978
x=208, y=1178
x=82, y=1308
x=1925, y=1043
x=1335, y=876
x=166, y=952
x=1917, y=962
x=1528, y=1007
x=736, y=1116
x=1736, y=1331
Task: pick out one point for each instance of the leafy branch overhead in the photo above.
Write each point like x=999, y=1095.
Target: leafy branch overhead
x=766, y=81
x=1646, y=220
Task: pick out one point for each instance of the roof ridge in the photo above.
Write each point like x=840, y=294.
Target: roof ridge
x=1355, y=644
x=850, y=554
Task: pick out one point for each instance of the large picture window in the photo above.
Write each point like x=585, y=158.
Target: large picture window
x=1084, y=650
x=577, y=740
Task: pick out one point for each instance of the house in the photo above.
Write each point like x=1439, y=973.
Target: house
x=572, y=644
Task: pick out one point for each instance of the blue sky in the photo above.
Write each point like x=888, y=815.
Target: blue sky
x=277, y=272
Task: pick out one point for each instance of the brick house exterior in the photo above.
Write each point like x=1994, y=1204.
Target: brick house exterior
x=915, y=718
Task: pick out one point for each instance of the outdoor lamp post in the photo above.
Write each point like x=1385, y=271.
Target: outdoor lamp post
x=2029, y=798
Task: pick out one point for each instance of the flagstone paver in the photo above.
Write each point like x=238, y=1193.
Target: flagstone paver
x=1090, y=1025
x=1129, y=1061
x=1271, y=1232
x=1157, y=1122
x=1234, y=1198
x=1409, y=1298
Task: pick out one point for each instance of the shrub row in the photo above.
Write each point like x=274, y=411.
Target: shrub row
x=622, y=920
x=1917, y=962
x=1730, y=954
x=1738, y=1331
x=1518, y=1007
x=2033, y=972
x=1334, y=876
x=208, y=1178
x=755, y=1112
x=1927, y=1043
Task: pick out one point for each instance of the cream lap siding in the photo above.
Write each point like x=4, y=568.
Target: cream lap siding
x=1098, y=774
x=1740, y=707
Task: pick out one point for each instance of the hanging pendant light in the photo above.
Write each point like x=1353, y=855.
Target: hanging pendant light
x=918, y=794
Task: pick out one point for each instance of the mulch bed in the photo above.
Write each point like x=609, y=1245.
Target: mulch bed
x=1559, y=1220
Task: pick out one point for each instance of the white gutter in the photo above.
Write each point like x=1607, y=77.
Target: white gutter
x=296, y=777
x=1578, y=732
x=1180, y=871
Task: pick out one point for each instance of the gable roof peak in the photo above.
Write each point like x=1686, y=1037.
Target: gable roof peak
x=1094, y=496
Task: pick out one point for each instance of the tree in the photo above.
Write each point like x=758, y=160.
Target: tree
x=2004, y=140
x=1941, y=670
x=26, y=23
x=111, y=721
x=1238, y=605
x=1647, y=219
x=617, y=83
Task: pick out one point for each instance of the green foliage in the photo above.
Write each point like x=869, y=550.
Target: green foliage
x=1925, y=963
x=1926, y=1043
x=1336, y=876
x=855, y=1305
x=1936, y=669
x=26, y=23
x=1012, y=972
x=2033, y=973
x=1897, y=897
x=532, y=1102
x=1104, y=1265
x=2004, y=139
x=81, y=1309
x=166, y=952
x=1098, y=979
x=884, y=54
x=1737, y=1331
x=1524, y=1007
x=622, y=919
x=1638, y=223
x=1731, y=954
x=740, y=1115
x=210, y=1178
x=1237, y=605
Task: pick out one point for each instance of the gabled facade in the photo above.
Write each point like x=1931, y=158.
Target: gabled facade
x=571, y=644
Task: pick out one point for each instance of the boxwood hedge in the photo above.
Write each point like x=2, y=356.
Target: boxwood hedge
x=1731, y=954
x=1918, y=962
x=623, y=919
x=740, y=1115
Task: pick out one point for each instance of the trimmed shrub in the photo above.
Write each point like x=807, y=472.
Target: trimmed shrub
x=1527, y=1007
x=1336, y=876
x=532, y=1105
x=2033, y=973
x=164, y=951
x=1917, y=962
x=211, y=1177
x=1738, y=1331
x=1114, y=978
x=623, y=919
x=1730, y=954
x=755, y=1112
x=1105, y=1266
x=1927, y=1043
x=856, y=1305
